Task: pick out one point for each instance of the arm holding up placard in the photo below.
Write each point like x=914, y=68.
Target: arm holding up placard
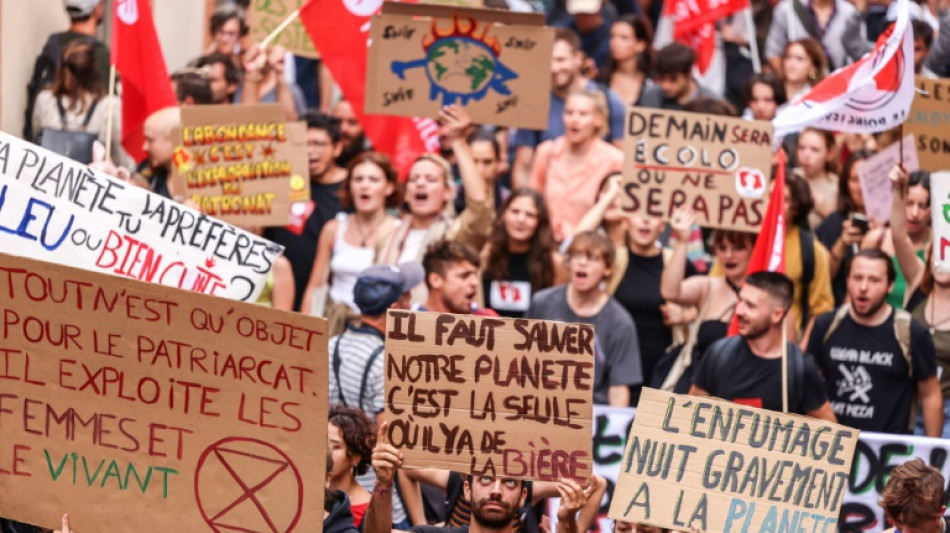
x=573, y=499
x=673, y=287
x=911, y=266
x=386, y=460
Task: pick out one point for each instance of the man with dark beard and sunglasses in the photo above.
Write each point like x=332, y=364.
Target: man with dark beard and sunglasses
x=747, y=368
x=495, y=500
x=879, y=363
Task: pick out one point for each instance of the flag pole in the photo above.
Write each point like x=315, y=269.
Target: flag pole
x=283, y=25
x=110, y=116
x=785, y=364
x=753, y=41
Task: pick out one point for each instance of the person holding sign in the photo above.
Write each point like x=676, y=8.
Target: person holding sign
x=929, y=291
x=495, y=501
x=583, y=300
x=747, y=368
x=569, y=169
x=715, y=296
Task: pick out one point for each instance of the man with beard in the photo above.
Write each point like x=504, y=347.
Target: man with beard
x=879, y=362
x=300, y=236
x=451, y=277
x=675, y=85
x=495, y=501
x=747, y=368
x=352, y=139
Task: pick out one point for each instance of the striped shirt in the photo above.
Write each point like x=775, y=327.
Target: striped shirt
x=352, y=351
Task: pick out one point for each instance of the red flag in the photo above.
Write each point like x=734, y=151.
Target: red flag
x=339, y=29
x=137, y=56
x=691, y=15
x=769, y=251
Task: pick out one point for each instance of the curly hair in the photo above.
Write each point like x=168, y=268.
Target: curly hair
x=358, y=431
x=540, y=253
x=914, y=494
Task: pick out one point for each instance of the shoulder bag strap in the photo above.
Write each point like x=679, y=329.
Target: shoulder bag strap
x=369, y=365
x=336, y=367
x=92, y=108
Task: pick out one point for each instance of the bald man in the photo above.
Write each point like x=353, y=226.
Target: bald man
x=159, y=148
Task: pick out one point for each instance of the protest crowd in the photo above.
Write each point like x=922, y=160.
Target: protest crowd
x=513, y=222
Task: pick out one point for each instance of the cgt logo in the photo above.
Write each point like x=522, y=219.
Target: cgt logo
x=750, y=183
x=127, y=11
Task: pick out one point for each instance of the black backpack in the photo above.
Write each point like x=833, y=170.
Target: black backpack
x=44, y=73
x=722, y=349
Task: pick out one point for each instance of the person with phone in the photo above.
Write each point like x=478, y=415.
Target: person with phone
x=844, y=229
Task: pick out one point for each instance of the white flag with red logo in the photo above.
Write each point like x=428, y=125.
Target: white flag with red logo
x=870, y=95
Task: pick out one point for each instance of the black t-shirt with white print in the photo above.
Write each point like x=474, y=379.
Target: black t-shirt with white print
x=866, y=374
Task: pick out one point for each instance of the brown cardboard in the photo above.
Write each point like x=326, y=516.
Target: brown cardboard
x=676, y=467
x=165, y=410
x=254, y=182
x=453, y=401
x=264, y=16
x=718, y=166
x=929, y=121
x=512, y=89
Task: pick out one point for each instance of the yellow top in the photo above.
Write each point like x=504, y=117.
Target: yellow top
x=820, y=298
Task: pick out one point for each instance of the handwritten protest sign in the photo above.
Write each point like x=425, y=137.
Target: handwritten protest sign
x=54, y=209
x=131, y=403
x=731, y=468
x=718, y=166
x=243, y=164
x=490, y=396
x=929, y=121
x=264, y=16
x=940, y=214
x=494, y=63
x=876, y=187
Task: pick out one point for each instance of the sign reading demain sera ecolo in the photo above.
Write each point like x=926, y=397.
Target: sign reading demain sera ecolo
x=125, y=402
x=717, y=166
x=490, y=396
x=731, y=468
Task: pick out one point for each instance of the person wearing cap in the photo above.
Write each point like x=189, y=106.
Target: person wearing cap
x=356, y=362
x=356, y=355
x=591, y=20
x=85, y=16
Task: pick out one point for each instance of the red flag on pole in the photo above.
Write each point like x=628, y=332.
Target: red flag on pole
x=693, y=24
x=137, y=55
x=769, y=251
x=339, y=29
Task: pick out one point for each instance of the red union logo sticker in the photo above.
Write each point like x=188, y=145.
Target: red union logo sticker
x=750, y=183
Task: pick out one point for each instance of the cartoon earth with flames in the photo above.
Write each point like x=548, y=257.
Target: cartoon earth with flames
x=459, y=64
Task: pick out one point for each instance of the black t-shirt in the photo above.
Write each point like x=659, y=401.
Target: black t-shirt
x=438, y=529
x=745, y=378
x=301, y=250
x=639, y=293
x=866, y=375
x=511, y=296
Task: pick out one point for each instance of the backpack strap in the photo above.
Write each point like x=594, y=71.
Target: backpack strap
x=720, y=351
x=840, y=315
x=602, y=87
x=85, y=122
x=807, y=242
x=902, y=320
x=337, y=362
x=796, y=376
x=369, y=365
x=92, y=108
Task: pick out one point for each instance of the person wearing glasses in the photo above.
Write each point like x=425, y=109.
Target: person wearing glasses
x=584, y=300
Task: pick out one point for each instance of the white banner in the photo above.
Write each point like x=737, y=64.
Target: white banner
x=940, y=214
x=57, y=210
x=877, y=454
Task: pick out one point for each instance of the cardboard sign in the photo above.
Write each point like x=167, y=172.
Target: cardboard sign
x=929, y=121
x=243, y=164
x=876, y=187
x=264, y=16
x=493, y=63
x=55, y=209
x=130, y=403
x=718, y=166
x=940, y=213
x=490, y=396
x=730, y=467
x=876, y=455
